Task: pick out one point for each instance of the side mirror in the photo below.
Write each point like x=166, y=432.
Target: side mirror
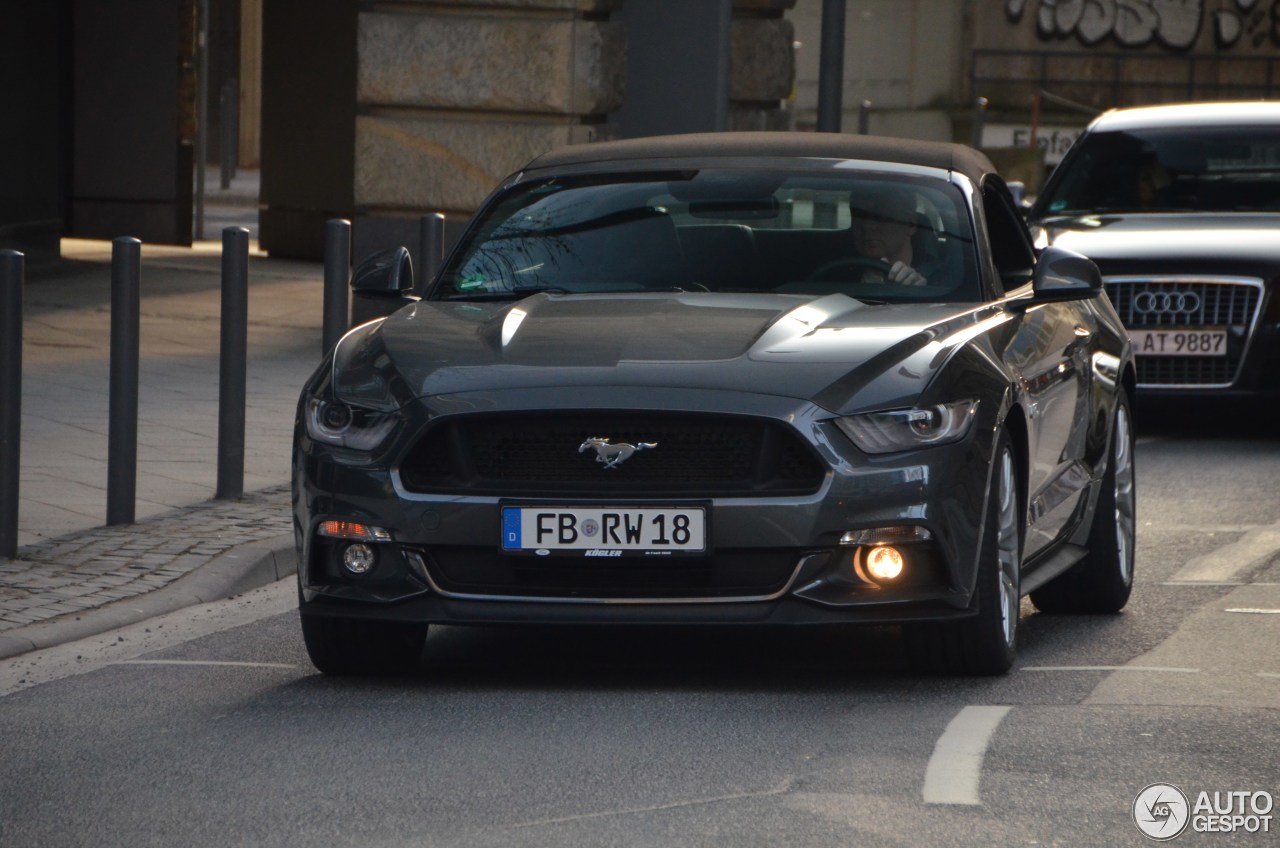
x=1063, y=274
x=381, y=284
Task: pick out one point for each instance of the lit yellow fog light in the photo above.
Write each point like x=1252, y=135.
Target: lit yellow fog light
x=358, y=558
x=884, y=563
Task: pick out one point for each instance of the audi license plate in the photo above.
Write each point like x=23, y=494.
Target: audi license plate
x=604, y=531
x=1180, y=341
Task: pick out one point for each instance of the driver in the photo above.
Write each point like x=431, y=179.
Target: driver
x=884, y=222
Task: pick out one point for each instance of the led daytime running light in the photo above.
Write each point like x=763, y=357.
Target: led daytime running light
x=335, y=423
x=887, y=536
x=907, y=429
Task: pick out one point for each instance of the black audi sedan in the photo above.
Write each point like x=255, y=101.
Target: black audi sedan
x=730, y=379
x=1180, y=208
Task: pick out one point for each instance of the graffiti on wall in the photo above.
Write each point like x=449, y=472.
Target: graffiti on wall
x=1175, y=24
x=1247, y=22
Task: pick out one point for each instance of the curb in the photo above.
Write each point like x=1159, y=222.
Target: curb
x=232, y=572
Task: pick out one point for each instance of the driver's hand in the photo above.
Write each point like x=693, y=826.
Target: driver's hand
x=904, y=274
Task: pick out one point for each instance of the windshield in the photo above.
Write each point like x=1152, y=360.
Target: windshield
x=1211, y=169
x=874, y=237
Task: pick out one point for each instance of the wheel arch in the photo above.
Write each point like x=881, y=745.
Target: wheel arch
x=1015, y=424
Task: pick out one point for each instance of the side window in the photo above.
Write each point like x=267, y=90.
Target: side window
x=1011, y=248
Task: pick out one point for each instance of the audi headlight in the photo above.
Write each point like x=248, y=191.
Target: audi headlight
x=905, y=429
x=336, y=423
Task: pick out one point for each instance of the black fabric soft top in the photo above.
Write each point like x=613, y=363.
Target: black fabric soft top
x=782, y=145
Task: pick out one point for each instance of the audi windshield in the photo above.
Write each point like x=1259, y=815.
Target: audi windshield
x=1214, y=169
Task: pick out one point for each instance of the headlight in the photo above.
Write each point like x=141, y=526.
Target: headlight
x=336, y=423
x=905, y=429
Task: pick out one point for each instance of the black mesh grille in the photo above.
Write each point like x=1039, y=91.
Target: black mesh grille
x=1174, y=304
x=727, y=573
x=543, y=454
x=1186, y=370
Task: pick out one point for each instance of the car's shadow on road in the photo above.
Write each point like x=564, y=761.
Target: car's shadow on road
x=664, y=657
x=819, y=660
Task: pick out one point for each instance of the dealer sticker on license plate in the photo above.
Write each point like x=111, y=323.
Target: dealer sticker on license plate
x=601, y=531
x=1180, y=341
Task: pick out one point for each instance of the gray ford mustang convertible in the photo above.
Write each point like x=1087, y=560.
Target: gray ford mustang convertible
x=774, y=379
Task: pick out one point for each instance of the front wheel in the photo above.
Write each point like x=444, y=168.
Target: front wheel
x=355, y=646
x=1102, y=581
x=987, y=642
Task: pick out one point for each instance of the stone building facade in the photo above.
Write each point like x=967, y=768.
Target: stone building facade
x=450, y=97
x=383, y=110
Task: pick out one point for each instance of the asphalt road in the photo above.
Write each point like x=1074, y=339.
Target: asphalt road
x=209, y=726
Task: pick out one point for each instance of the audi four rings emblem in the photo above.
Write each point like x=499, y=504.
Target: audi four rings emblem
x=1167, y=303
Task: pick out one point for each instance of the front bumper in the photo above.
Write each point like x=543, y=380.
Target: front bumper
x=769, y=559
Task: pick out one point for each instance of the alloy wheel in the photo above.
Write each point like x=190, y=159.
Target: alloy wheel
x=1007, y=545
x=1122, y=458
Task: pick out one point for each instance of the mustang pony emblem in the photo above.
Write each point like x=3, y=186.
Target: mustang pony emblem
x=613, y=455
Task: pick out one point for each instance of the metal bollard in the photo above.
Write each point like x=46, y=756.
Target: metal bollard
x=122, y=423
x=430, y=248
x=864, y=117
x=979, y=121
x=232, y=368
x=228, y=130
x=11, y=274
x=831, y=66
x=337, y=270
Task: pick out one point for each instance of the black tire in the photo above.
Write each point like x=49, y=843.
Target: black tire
x=986, y=643
x=354, y=646
x=1102, y=581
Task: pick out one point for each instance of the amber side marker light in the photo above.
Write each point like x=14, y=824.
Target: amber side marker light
x=353, y=530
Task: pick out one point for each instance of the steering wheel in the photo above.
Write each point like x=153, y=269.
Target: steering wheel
x=853, y=262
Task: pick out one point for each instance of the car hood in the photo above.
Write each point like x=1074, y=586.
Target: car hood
x=1247, y=242
x=829, y=350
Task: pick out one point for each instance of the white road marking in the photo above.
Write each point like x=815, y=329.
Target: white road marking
x=1226, y=562
x=1108, y=668
x=955, y=768
x=95, y=652
x=1202, y=583
x=1255, y=611
x=207, y=662
x=1207, y=529
x=1268, y=674
x=783, y=788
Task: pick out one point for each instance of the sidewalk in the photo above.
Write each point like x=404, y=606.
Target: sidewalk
x=74, y=576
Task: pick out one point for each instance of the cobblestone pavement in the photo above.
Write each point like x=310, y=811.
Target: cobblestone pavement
x=74, y=577
x=88, y=570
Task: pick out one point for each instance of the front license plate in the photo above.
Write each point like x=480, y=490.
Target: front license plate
x=1181, y=341
x=602, y=531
